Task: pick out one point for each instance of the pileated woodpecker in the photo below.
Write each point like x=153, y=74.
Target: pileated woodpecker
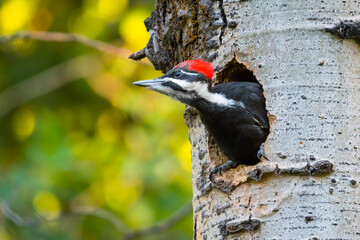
x=234, y=112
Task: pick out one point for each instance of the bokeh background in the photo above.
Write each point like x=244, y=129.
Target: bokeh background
x=76, y=134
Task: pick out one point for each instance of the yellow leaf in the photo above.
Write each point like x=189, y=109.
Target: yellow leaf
x=14, y=15
x=23, y=123
x=107, y=126
x=47, y=205
x=111, y=10
x=88, y=24
x=133, y=30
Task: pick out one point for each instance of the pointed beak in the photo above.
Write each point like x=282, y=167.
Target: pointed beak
x=149, y=83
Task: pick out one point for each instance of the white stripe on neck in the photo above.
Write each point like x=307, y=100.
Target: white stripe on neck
x=216, y=98
x=202, y=90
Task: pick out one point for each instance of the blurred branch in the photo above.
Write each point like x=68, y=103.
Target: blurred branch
x=16, y=218
x=163, y=225
x=84, y=211
x=66, y=37
x=48, y=80
x=103, y=214
x=128, y=234
x=59, y=75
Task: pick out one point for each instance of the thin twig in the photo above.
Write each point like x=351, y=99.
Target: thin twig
x=103, y=214
x=66, y=37
x=13, y=216
x=116, y=221
x=83, y=211
x=58, y=75
x=48, y=80
x=163, y=225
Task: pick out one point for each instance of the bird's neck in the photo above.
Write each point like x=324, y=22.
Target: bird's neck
x=206, y=99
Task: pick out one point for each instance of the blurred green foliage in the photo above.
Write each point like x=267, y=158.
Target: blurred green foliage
x=98, y=141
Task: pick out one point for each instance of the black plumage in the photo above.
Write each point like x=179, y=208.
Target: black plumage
x=234, y=113
x=238, y=130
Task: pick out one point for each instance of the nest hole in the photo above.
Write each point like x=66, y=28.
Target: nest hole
x=234, y=71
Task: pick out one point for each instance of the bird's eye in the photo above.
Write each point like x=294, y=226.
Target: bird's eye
x=177, y=74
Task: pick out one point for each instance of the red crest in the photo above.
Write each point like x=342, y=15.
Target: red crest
x=198, y=65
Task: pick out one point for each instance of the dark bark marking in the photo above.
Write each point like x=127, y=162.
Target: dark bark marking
x=195, y=228
x=260, y=172
x=347, y=29
x=280, y=155
x=199, y=208
x=309, y=219
x=189, y=115
x=195, y=19
x=201, y=154
x=319, y=167
x=181, y=37
x=237, y=226
x=222, y=226
x=232, y=24
x=223, y=16
x=164, y=11
x=221, y=209
x=225, y=186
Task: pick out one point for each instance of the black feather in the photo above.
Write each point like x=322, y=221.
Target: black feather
x=238, y=131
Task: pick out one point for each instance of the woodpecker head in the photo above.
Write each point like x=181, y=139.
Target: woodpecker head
x=186, y=82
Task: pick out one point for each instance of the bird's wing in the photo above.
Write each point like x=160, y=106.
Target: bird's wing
x=250, y=94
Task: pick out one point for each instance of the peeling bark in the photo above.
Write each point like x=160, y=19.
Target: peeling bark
x=311, y=82
x=138, y=55
x=180, y=28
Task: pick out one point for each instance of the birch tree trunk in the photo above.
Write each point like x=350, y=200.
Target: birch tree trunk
x=306, y=54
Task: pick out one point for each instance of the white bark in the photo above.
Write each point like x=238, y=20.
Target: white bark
x=311, y=80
